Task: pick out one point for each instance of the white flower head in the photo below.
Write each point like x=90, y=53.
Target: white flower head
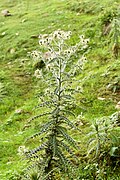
x=84, y=42
x=81, y=37
x=87, y=40
x=83, y=59
x=36, y=55
x=59, y=34
x=22, y=150
x=38, y=74
x=66, y=35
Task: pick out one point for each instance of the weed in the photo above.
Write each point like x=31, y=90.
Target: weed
x=104, y=142
x=55, y=141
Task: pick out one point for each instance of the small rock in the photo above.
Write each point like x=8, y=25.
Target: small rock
x=12, y=51
x=5, y=13
x=18, y=111
x=101, y=98
x=3, y=33
x=17, y=34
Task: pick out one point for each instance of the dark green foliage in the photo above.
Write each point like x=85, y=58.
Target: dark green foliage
x=38, y=65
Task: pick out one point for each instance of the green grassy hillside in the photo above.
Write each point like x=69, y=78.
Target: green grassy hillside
x=100, y=80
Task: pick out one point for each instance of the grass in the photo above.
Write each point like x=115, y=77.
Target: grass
x=30, y=18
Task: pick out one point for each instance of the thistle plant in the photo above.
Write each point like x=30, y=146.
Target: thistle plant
x=101, y=138
x=58, y=76
x=104, y=145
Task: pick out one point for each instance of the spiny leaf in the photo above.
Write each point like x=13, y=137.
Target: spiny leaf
x=67, y=96
x=34, y=151
x=54, y=142
x=61, y=130
x=40, y=115
x=46, y=103
x=63, y=160
x=43, y=129
x=67, y=121
x=66, y=147
x=47, y=126
x=68, y=112
x=56, y=111
x=92, y=140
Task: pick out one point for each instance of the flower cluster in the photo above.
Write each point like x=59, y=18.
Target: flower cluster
x=55, y=47
x=46, y=40
x=36, y=55
x=84, y=42
x=38, y=74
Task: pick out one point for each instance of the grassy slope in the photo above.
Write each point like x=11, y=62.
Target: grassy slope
x=33, y=18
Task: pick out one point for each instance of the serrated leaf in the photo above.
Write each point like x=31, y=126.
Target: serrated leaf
x=34, y=151
x=66, y=148
x=62, y=159
x=40, y=115
x=68, y=112
x=62, y=131
x=53, y=143
x=43, y=129
x=67, y=96
x=47, y=126
x=45, y=103
x=68, y=122
x=56, y=111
